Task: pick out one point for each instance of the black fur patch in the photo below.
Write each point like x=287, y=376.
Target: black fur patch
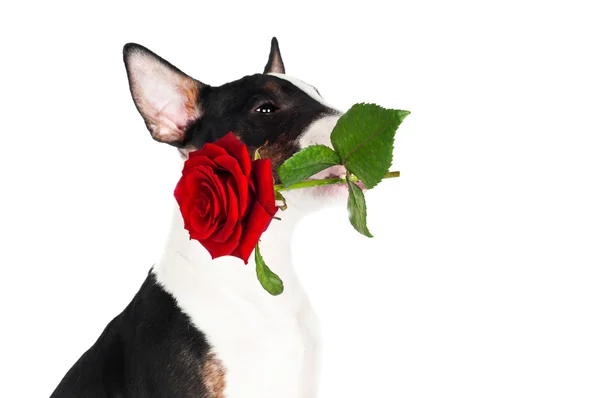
x=150, y=350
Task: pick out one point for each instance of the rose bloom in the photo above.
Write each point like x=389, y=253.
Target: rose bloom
x=227, y=201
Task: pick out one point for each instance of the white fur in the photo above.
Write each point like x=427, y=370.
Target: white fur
x=318, y=133
x=268, y=345
x=307, y=88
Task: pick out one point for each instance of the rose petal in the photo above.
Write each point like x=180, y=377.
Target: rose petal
x=185, y=192
x=238, y=150
x=220, y=249
x=181, y=191
x=263, y=209
x=198, y=180
x=205, y=233
x=198, y=223
x=210, y=150
x=257, y=223
x=215, y=203
x=231, y=215
x=182, y=196
x=198, y=161
x=214, y=183
x=241, y=181
x=203, y=204
x=203, y=178
x=262, y=176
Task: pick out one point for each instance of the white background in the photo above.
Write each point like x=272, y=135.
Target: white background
x=483, y=279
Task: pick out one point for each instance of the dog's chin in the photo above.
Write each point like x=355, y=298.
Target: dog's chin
x=311, y=200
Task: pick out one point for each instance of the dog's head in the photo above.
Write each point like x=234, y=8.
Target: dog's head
x=269, y=107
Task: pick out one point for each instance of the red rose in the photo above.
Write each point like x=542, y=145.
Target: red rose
x=226, y=200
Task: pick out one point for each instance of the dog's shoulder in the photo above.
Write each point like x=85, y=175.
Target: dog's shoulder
x=150, y=349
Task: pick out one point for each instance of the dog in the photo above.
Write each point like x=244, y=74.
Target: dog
x=205, y=328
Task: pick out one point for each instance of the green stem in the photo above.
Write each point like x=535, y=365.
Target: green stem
x=327, y=181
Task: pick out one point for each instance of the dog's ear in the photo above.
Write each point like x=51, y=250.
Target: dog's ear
x=167, y=98
x=275, y=64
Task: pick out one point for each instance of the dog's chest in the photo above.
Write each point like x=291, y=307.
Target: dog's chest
x=267, y=345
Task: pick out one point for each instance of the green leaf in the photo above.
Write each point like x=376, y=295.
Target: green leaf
x=357, y=208
x=364, y=139
x=306, y=163
x=267, y=278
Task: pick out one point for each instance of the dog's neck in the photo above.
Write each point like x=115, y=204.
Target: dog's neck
x=186, y=267
x=253, y=333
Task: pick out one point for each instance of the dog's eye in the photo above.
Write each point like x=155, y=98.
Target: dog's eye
x=266, y=108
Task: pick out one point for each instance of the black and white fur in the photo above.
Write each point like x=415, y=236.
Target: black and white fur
x=205, y=328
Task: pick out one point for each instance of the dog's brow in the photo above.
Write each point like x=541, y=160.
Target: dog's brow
x=303, y=86
x=272, y=86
